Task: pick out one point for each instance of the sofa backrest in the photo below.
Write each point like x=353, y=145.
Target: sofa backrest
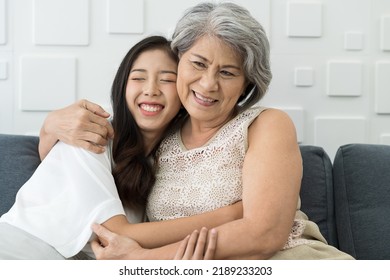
x=352, y=196
x=18, y=161
x=317, y=191
x=362, y=199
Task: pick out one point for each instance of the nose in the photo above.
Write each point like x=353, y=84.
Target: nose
x=151, y=88
x=209, y=81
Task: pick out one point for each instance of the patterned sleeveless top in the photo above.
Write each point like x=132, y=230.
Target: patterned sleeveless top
x=190, y=182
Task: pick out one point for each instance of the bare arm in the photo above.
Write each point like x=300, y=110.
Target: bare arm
x=196, y=246
x=83, y=124
x=272, y=176
x=149, y=235
x=91, y=181
x=157, y=234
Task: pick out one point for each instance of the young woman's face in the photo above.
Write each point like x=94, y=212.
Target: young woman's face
x=210, y=80
x=151, y=92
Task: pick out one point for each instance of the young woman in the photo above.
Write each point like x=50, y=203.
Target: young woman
x=73, y=189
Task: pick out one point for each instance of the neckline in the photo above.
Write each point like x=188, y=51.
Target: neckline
x=184, y=148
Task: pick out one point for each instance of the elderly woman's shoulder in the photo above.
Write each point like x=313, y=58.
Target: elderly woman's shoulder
x=269, y=112
x=271, y=118
x=274, y=112
x=271, y=125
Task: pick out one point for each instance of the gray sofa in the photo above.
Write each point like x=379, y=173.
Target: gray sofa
x=349, y=200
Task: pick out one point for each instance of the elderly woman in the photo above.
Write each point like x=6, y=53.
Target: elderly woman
x=228, y=150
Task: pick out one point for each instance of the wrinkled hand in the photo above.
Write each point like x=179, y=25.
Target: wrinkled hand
x=112, y=246
x=198, y=246
x=83, y=124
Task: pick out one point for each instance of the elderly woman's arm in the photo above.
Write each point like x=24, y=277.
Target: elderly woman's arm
x=200, y=244
x=161, y=233
x=272, y=176
x=83, y=124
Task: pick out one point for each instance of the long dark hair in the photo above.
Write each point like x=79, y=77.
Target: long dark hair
x=133, y=171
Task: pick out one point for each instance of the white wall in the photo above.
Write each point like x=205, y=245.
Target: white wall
x=330, y=60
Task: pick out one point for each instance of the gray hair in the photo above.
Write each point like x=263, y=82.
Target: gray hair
x=235, y=26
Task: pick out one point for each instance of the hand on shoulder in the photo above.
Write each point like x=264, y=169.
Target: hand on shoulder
x=83, y=124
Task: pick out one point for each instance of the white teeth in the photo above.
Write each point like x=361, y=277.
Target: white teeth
x=204, y=98
x=151, y=108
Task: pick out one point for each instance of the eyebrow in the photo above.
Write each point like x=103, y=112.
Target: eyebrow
x=223, y=66
x=161, y=72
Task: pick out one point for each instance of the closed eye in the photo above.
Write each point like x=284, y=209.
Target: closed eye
x=198, y=64
x=227, y=73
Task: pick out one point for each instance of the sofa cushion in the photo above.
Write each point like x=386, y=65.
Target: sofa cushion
x=19, y=159
x=362, y=197
x=317, y=191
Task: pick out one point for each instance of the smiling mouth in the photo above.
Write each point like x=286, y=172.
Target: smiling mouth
x=151, y=107
x=203, y=99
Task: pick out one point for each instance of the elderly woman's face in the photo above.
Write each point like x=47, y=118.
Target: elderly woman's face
x=210, y=80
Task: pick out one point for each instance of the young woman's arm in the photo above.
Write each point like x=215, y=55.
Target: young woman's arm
x=196, y=246
x=94, y=169
x=157, y=234
x=90, y=174
x=272, y=176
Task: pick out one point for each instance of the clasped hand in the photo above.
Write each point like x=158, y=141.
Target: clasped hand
x=199, y=245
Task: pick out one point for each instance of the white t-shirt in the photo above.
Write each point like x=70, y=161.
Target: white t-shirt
x=70, y=190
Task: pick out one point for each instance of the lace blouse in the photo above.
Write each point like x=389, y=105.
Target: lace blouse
x=190, y=182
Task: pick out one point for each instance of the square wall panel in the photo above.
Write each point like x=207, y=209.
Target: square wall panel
x=61, y=22
x=304, y=76
x=331, y=133
x=297, y=116
x=7, y=95
x=3, y=70
x=385, y=33
x=385, y=139
x=3, y=23
x=353, y=41
x=382, y=87
x=47, y=83
x=345, y=78
x=304, y=19
x=125, y=16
